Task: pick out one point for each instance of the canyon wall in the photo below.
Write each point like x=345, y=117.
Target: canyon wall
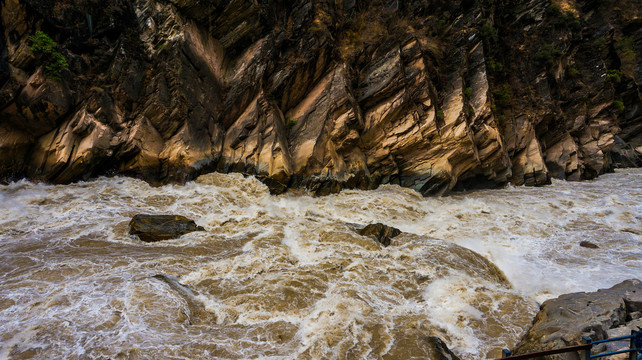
x=433, y=95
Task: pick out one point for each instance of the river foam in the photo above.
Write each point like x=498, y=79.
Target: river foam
x=284, y=277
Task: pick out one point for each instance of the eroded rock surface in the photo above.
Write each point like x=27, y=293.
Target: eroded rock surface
x=565, y=320
x=433, y=95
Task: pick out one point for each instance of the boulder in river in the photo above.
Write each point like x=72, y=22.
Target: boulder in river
x=382, y=233
x=153, y=228
x=565, y=320
x=589, y=245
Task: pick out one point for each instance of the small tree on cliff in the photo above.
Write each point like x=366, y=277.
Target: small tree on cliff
x=47, y=50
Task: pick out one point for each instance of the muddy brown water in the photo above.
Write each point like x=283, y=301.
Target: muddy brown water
x=286, y=277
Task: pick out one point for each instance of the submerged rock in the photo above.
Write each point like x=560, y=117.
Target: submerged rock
x=565, y=320
x=632, y=231
x=153, y=228
x=589, y=245
x=196, y=313
x=418, y=346
x=382, y=233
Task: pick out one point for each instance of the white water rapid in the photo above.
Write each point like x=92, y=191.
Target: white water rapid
x=286, y=277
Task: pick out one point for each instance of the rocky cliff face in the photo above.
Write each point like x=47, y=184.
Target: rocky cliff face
x=430, y=94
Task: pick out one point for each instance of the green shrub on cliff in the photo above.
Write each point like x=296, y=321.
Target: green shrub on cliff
x=46, y=49
x=289, y=124
x=614, y=76
x=626, y=52
x=495, y=65
x=563, y=19
x=489, y=33
x=503, y=92
x=619, y=104
x=440, y=115
x=554, y=10
x=547, y=54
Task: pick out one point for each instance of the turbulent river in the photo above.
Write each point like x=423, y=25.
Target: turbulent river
x=287, y=277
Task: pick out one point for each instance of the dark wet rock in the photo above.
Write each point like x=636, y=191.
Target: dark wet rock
x=276, y=187
x=589, y=245
x=152, y=228
x=439, y=349
x=382, y=233
x=565, y=320
x=624, y=155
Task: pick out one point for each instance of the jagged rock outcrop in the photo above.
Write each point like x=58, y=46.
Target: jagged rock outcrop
x=433, y=95
x=565, y=320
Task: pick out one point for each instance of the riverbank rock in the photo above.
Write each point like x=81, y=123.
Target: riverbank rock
x=153, y=228
x=380, y=232
x=565, y=320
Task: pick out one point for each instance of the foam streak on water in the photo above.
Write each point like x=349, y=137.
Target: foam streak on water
x=288, y=278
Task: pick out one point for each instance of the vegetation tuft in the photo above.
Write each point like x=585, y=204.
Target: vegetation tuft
x=290, y=124
x=563, y=19
x=495, y=65
x=489, y=33
x=502, y=92
x=44, y=47
x=619, y=104
x=547, y=54
x=614, y=76
x=626, y=51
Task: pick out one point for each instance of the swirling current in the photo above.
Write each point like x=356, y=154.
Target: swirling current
x=287, y=277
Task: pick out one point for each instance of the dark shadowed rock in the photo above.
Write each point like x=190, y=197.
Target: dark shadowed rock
x=564, y=321
x=624, y=155
x=382, y=233
x=276, y=187
x=152, y=228
x=589, y=245
x=440, y=350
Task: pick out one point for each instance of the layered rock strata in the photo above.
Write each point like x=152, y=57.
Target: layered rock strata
x=433, y=95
